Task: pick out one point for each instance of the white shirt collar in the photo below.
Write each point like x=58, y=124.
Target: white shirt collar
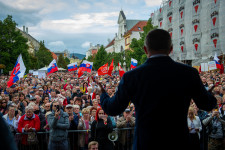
x=157, y=55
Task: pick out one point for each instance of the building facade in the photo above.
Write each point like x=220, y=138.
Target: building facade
x=92, y=50
x=127, y=30
x=32, y=43
x=196, y=27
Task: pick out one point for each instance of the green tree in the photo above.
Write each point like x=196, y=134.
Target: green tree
x=67, y=61
x=100, y=58
x=44, y=56
x=137, y=45
x=12, y=44
x=61, y=62
x=91, y=58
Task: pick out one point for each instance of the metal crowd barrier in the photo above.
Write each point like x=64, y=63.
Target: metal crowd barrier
x=75, y=141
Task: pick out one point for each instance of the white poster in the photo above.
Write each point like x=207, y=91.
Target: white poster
x=212, y=65
x=41, y=74
x=35, y=73
x=204, y=67
x=31, y=71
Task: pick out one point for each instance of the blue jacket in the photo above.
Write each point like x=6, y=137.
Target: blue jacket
x=58, y=127
x=157, y=88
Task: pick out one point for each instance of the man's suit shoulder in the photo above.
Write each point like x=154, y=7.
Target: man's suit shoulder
x=176, y=65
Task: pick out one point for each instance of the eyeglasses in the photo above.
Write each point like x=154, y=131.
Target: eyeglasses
x=55, y=105
x=101, y=113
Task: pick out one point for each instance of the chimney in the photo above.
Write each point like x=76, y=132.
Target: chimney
x=27, y=30
x=23, y=28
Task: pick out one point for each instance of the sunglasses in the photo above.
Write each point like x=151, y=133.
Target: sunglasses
x=55, y=105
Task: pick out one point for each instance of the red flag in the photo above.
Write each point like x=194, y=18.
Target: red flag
x=200, y=69
x=80, y=72
x=103, y=69
x=110, y=69
x=121, y=71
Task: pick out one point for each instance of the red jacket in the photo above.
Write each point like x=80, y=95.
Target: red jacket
x=34, y=123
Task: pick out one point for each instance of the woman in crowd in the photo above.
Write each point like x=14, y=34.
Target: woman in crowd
x=3, y=108
x=21, y=104
x=84, y=124
x=28, y=123
x=92, y=113
x=195, y=126
x=100, y=128
x=12, y=119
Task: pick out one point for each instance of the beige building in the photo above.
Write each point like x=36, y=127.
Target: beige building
x=32, y=43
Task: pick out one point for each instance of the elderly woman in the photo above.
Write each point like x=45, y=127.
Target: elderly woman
x=28, y=123
x=84, y=124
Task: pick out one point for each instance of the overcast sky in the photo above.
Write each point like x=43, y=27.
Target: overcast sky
x=74, y=24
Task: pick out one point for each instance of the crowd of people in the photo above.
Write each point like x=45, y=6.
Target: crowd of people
x=61, y=103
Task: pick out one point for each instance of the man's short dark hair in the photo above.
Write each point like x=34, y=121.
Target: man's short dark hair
x=158, y=40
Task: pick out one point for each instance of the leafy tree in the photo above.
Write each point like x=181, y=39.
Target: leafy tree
x=137, y=45
x=67, y=61
x=44, y=56
x=61, y=62
x=91, y=58
x=34, y=62
x=12, y=45
x=100, y=58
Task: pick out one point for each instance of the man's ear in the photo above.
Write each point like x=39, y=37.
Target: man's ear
x=171, y=49
x=146, y=51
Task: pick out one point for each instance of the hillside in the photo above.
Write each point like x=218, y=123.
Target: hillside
x=79, y=56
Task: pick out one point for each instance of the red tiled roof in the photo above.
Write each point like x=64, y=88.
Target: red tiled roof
x=111, y=43
x=138, y=27
x=54, y=55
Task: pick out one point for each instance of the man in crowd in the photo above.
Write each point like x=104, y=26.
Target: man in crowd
x=142, y=86
x=126, y=121
x=59, y=124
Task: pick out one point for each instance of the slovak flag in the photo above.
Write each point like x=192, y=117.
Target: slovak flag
x=72, y=67
x=216, y=59
x=17, y=72
x=133, y=63
x=85, y=66
x=52, y=67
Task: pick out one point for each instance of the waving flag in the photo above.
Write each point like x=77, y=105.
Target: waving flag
x=52, y=67
x=133, y=63
x=216, y=59
x=17, y=72
x=72, y=67
x=121, y=71
x=85, y=66
x=110, y=69
x=103, y=69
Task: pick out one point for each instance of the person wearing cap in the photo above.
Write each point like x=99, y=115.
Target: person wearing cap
x=32, y=93
x=73, y=118
x=126, y=121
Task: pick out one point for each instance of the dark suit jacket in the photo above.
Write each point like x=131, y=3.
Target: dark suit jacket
x=161, y=90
